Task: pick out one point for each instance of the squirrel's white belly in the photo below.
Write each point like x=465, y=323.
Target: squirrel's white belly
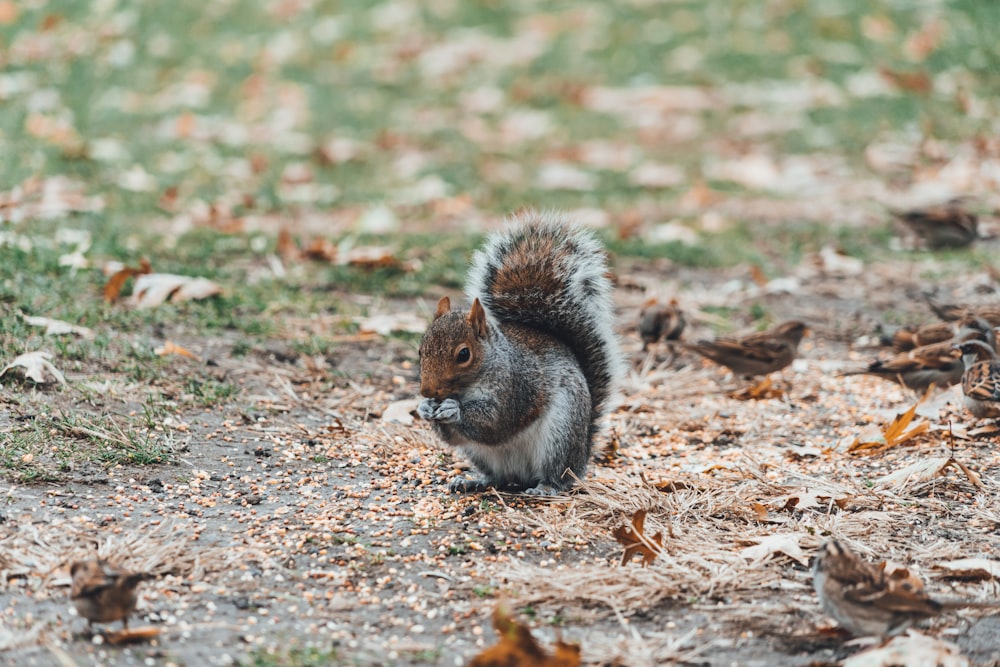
x=528, y=453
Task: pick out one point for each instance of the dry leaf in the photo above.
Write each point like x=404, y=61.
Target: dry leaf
x=669, y=486
x=132, y=635
x=319, y=250
x=518, y=648
x=912, y=82
x=113, y=288
x=766, y=547
x=926, y=470
x=399, y=411
x=58, y=327
x=760, y=511
x=894, y=434
x=386, y=323
x=170, y=347
x=970, y=569
x=635, y=540
x=762, y=390
x=153, y=289
x=37, y=367
x=287, y=249
x=912, y=650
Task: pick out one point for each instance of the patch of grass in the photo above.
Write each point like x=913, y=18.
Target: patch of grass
x=115, y=440
x=293, y=657
x=208, y=391
x=484, y=591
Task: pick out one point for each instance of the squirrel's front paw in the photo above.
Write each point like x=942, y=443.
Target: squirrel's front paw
x=447, y=411
x=427, y=408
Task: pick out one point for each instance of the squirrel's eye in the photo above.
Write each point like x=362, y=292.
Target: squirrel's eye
x=463, y=355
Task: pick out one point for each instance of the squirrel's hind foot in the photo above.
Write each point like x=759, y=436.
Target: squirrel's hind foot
x=543, y=489
x=466, y=485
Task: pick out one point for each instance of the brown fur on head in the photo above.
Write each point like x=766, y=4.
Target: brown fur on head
x=451, y=351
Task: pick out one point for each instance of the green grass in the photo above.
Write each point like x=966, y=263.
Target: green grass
x=295, y=657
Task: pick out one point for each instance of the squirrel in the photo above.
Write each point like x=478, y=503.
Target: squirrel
x=521, y=380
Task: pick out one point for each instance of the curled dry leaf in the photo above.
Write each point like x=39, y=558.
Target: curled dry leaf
x=170, y=347
x=113, y=288
x=926, y=470
x=37, y=367
x=400, y=411
x=970, y=569
x=912, y=650
x=518, y=647
x=58, y=327
x=132, y=635
x=636, y=541
x=762, y=390
x=153, y=289
x=672, y=485
x=894, y=434
x=320, y=250
x=766, y=547
x=376, y=257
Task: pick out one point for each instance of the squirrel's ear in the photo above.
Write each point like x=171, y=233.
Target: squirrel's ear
x=444, y=305
x=477, y=318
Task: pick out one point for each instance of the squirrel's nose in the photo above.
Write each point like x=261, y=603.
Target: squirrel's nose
x=428, y=390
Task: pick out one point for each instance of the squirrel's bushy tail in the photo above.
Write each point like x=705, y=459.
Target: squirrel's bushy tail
x=548, y=275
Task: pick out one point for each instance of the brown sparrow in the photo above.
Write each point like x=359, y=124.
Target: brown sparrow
x=103, y=593
x=658, y=321
x=866, y=600
x=758, y=353
x=981, y=381
x=908, y=338
x=939, y=364
x=957, y=311
x=948, y=225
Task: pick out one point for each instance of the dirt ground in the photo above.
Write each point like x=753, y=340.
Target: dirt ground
x=303, y=527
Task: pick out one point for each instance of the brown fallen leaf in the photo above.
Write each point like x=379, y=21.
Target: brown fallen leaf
x=760, y=511
x=287, y=249
x=170, y=347
x=636, y=541
x=671, y=485
x=372, y=257
x=518, y=648
x=970, y=569
x=132, y=635
x=113, y=288
x=762, y=390
x=320, y=250
x=912, y=82
x=894, y=434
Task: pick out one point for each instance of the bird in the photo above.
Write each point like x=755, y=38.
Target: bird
x=758, y=353
x=981, y=380
x=862, y=598
x=909, y=338
x=866, y=600
x=947, y=225
x=660, y=321
x=950, y=312
x=938, y=364
x=104, y=593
